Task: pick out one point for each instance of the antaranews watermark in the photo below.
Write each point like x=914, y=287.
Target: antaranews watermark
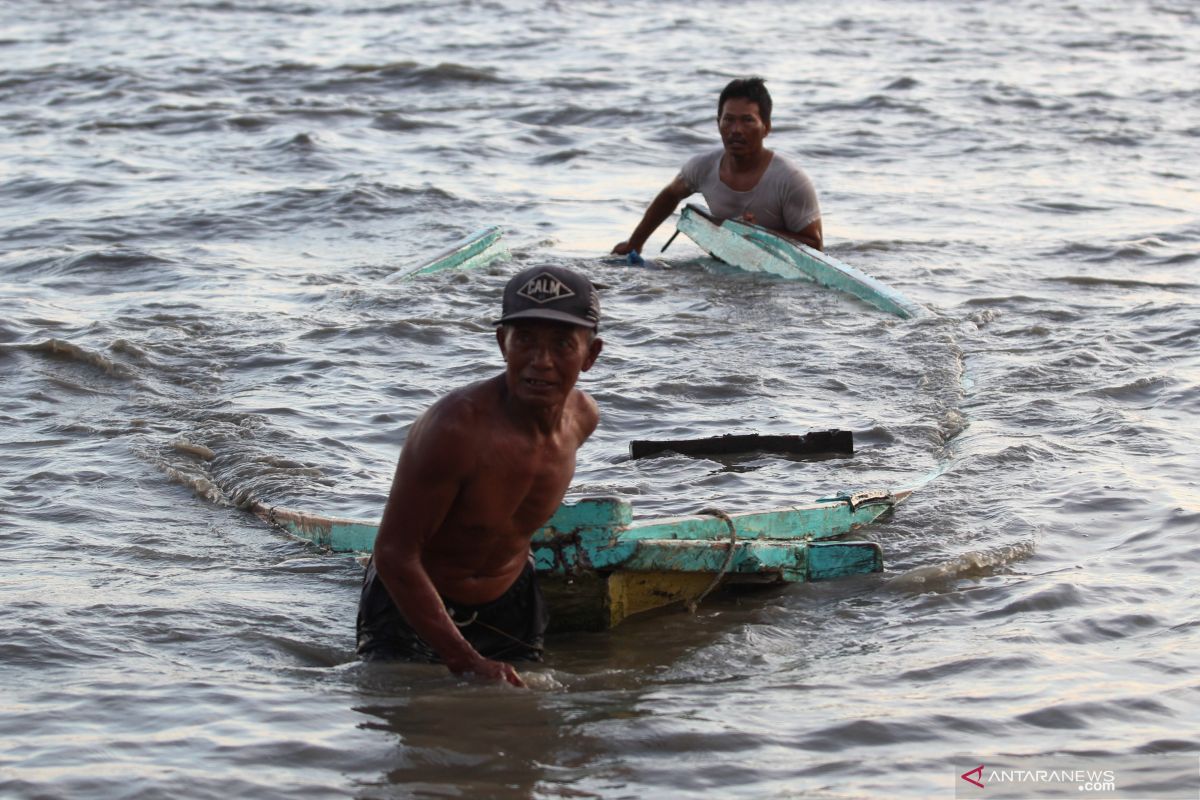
x=1166, y=777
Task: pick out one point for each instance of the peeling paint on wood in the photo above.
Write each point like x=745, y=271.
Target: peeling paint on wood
x=602, y=566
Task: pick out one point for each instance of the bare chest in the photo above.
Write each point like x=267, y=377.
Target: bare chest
x=515, y=491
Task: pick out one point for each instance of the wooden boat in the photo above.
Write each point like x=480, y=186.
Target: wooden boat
x=599, y=566
x=476, y=250
x=756, y=249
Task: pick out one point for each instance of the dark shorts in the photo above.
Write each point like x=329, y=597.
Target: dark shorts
x=509, y=628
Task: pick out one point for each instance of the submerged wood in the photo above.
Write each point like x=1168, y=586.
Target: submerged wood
x=756, y=249
x=813, y=443
x=602, y=566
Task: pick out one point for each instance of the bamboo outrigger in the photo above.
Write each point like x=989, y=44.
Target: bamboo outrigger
x=599, y=566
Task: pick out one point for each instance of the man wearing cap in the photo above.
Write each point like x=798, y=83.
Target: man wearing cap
x=451, y=579
x=741, y=179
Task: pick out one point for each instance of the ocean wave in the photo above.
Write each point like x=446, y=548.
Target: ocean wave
x=561, y=156
x=191, y=448
x=1026, y=102
x=411, y=72
x=69, y=191
x=197, y=482
x=362, y=200
x=61, y=348
x=116, y=260
x=903, y=84
x=1146, y=389
x=51, y=79
x=581, y=83
x=1098, y=281
x=866, y=733
x=398, y=123
x=278, y=158
x=158, y=122
x=583, y=116
x=1118, y=139
x=974, y=564
x=1107, y=628
x=874, y=102
x=282, y=9
x=1062, y=206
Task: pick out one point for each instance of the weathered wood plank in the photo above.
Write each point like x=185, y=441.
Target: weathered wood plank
x=813, y=443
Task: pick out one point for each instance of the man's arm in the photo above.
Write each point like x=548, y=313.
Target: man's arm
x=588, y=415
x=811, y=235
x=800, y=210
x=433, y=463
x=660, y=208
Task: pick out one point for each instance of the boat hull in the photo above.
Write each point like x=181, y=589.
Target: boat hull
x=476, y=250
x=756, y=249
x=599, y=566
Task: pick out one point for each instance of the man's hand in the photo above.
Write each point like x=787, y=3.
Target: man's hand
x=748, y=218
x=662, y=207
x=487, y=670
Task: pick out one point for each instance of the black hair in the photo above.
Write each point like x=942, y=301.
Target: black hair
x=753, y=89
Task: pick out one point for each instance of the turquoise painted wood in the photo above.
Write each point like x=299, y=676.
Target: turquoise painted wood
x=756, y=249
x=586, y=538
x=599, y=535
x=338, y=534
x=477, y=250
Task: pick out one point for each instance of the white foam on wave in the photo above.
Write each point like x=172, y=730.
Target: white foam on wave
x=191, y=448
x=74, y=352
x=976, y=563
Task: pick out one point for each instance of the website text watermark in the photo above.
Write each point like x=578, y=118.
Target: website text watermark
x=1165, y=777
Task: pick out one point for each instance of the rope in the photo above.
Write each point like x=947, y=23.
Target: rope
x=474, y=620
x=716, y=512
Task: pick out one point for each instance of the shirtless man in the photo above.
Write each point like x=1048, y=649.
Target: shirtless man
x=451, y=579
x=742, y=179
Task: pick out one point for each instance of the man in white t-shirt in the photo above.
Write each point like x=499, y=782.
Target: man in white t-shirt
x=741, y=180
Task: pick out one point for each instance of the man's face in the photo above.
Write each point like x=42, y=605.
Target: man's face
x=742, y=128
x=544, y=359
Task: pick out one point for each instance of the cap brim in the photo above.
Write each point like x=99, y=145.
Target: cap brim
x=547, y=314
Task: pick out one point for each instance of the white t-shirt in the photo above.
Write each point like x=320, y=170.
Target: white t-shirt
x=784, y=198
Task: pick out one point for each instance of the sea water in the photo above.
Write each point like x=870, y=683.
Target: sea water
x=202, y=203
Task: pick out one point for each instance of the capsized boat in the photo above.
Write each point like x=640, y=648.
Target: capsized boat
x=473, y=251
x=598, y=565
x=756, y=249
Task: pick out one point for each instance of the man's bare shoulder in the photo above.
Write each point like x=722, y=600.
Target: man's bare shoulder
x=586, y=412
x=457, y=418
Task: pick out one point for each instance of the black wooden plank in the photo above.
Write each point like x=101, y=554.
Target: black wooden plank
x=813, y=443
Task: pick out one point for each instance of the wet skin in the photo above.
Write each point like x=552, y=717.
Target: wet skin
x=481, y=470
x=742, y=130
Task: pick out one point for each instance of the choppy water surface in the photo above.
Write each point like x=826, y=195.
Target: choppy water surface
x=202, y=203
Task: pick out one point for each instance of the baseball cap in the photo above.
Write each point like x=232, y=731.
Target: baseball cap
x=551, y=293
